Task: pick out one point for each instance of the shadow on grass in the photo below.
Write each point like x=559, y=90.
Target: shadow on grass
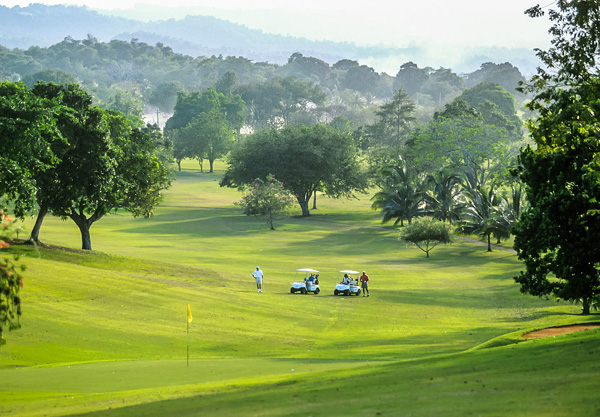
x=477, y=299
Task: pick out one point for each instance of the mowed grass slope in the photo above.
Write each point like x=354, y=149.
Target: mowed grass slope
x=107, y=329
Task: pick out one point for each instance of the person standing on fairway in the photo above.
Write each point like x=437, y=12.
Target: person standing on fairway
x=258, y=276
x=364, y=283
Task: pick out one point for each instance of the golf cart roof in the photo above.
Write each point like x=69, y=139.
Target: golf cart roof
x=348, y=271
x=306, y=270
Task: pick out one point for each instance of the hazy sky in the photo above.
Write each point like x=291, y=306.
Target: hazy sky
x=401, y=23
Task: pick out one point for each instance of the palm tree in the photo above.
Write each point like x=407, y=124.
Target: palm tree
x=401, y=196
x=444, y=201
x=478, y=215
x=506, y=214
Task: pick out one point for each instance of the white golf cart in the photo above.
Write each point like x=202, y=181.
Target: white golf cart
x=306, y=280
x=347, y=283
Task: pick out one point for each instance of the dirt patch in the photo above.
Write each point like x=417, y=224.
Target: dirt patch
x=555, y=331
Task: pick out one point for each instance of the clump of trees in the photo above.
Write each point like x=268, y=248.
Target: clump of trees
x=74, y=160
x=204, y=125
x=306, y=159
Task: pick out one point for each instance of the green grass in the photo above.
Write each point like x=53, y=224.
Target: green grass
x=107, y=329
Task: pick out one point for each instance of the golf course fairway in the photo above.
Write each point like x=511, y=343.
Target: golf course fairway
x=105, y=332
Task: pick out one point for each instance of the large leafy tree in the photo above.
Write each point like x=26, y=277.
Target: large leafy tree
x=304, y=158
x=85, y=135
x=557, y=238
x=204, y=123
x=29, y=138
x=106, y=165
x=496, y=106
x=211, y=136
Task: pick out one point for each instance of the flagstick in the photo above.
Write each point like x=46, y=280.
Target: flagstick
x=188, y=343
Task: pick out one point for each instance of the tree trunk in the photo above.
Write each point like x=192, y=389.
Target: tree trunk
x=304, y=207
x=86, y=239
x=84, y=225
x=489, y=243
x=35, y=232
x=315, y=200
x=586, y=306
x=179, y=164
x=211, y=162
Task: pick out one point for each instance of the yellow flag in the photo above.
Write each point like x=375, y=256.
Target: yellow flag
x=189, y=314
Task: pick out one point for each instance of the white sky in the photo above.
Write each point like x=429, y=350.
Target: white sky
x=395, y=22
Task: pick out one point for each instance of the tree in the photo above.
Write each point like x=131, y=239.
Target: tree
x=125, y=102
x=49, y=75
x=303, y=158
x=506, y=214
x=11, y=282
x=410, y=78
x=461, y=143
x=397, y=117
x=496, y=106
x=227, y=83
x=426, y=233
x=29, y=139
x=280, y=101
x=557, y=236
x=214, y=136
x=478, y=214
x=401, y=194
x=444, y=201
x=107, y=165
x=164, y=96
x=363, y=79
x=266, y=198
x=505, y=74
x=85, y=136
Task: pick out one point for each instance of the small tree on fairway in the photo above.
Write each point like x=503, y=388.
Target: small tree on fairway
x=426, y=233
x=266, y=198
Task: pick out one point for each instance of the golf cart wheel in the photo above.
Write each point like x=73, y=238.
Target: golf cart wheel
x=292, y=291
x=318, y=290
x=357, y=293
x=346, y=292
x=303, y=291
x=335, y=292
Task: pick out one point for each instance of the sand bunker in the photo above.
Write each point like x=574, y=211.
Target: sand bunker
x=554, y=331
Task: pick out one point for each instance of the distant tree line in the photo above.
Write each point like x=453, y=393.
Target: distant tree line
x=133, y=76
